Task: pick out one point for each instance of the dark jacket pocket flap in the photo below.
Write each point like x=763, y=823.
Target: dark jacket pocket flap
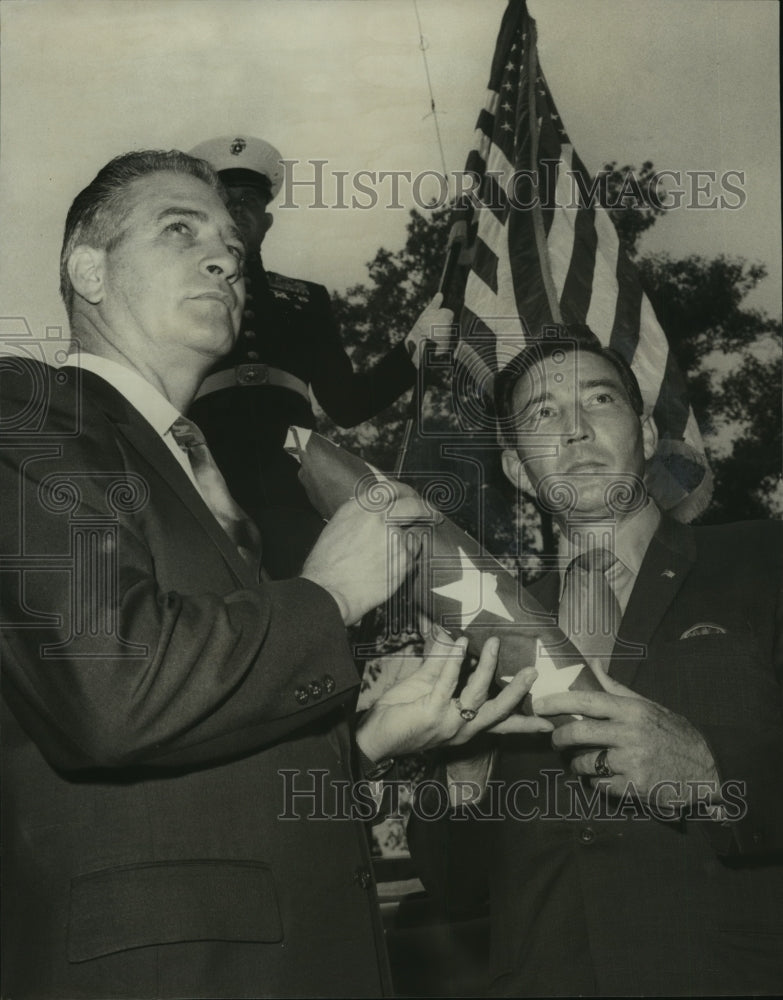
x=162, y=903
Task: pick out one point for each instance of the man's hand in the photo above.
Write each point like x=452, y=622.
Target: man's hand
x=647, y=745
x=436, y=324
x=420, y=712
x=353, y=558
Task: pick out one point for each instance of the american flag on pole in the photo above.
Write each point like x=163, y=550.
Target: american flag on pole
x=545, y=251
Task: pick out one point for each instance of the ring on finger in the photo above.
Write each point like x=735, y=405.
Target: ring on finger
x=600, y=766
x=467, y=714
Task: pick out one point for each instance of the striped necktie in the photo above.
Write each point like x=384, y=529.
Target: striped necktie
x=589, y=612
x=212, y=486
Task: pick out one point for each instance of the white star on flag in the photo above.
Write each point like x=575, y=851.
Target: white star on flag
x=551, y=678
x=476, y=592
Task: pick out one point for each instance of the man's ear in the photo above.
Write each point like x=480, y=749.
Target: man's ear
x=267, y=223
x=86, y=271
x=515, y=472
x=649, y=435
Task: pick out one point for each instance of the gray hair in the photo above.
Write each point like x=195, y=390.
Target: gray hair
x=98, y=213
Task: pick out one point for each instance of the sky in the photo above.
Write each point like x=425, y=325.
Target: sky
x=691, y=85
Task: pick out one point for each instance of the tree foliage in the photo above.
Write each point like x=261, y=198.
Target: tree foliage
x=631, y=201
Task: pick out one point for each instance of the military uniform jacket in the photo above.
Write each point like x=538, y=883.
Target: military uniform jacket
x=156, y=700
x=288, y=326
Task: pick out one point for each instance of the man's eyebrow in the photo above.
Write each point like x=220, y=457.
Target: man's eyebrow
x=540, y=397
x=191, y=213
x=606, y=381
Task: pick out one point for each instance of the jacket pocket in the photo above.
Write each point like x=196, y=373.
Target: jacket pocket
x=161, y=903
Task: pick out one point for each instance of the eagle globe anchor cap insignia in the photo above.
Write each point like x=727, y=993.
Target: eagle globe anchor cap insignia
x=246, y=153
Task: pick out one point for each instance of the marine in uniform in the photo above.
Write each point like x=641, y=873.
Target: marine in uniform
x=289, y=344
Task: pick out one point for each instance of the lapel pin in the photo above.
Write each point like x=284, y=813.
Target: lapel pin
x=669, y=574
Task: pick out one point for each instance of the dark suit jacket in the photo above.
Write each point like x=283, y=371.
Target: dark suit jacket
x=153, y=694
x=585, y=903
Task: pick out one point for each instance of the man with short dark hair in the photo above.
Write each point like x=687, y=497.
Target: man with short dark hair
x=637, y=849
x=289, y=345
x=177, y=758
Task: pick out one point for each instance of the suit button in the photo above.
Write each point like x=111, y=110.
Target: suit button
x=253, y=355
x=328, y=683
x=250, y=334
x=363, y=877
x=301, y=695
x=587, y=836
x=315, y=689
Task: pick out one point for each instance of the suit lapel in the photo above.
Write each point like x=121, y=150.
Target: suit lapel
x=151, y=450
x=666, y=564
x=546, y=591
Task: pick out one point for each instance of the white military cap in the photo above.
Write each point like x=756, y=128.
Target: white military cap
x=243, y=152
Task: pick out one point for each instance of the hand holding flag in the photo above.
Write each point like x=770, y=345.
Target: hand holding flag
x=420, y=712
x=350, y=557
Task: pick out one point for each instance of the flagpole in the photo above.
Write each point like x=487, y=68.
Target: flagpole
x=457, y=240
x=455, y=246
x=433, y=109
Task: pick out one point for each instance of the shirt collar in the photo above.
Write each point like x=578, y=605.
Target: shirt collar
x=631, y=540
x=140, y=393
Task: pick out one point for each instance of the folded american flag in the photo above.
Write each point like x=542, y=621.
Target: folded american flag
x=458, y=585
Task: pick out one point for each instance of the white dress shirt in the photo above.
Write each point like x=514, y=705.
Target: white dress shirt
x=142, y=395
x=631, y=539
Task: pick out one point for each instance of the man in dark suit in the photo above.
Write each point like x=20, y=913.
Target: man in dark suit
x=176, y=751
x=289, y=345
x=639, y=849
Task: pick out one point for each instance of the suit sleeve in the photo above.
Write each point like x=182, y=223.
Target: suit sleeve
x=750, y=767
x=111, y=668
x=750, y=759
x=349, y=397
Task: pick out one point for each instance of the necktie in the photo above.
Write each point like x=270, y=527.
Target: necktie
x=589, y=611
x=234, y=521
